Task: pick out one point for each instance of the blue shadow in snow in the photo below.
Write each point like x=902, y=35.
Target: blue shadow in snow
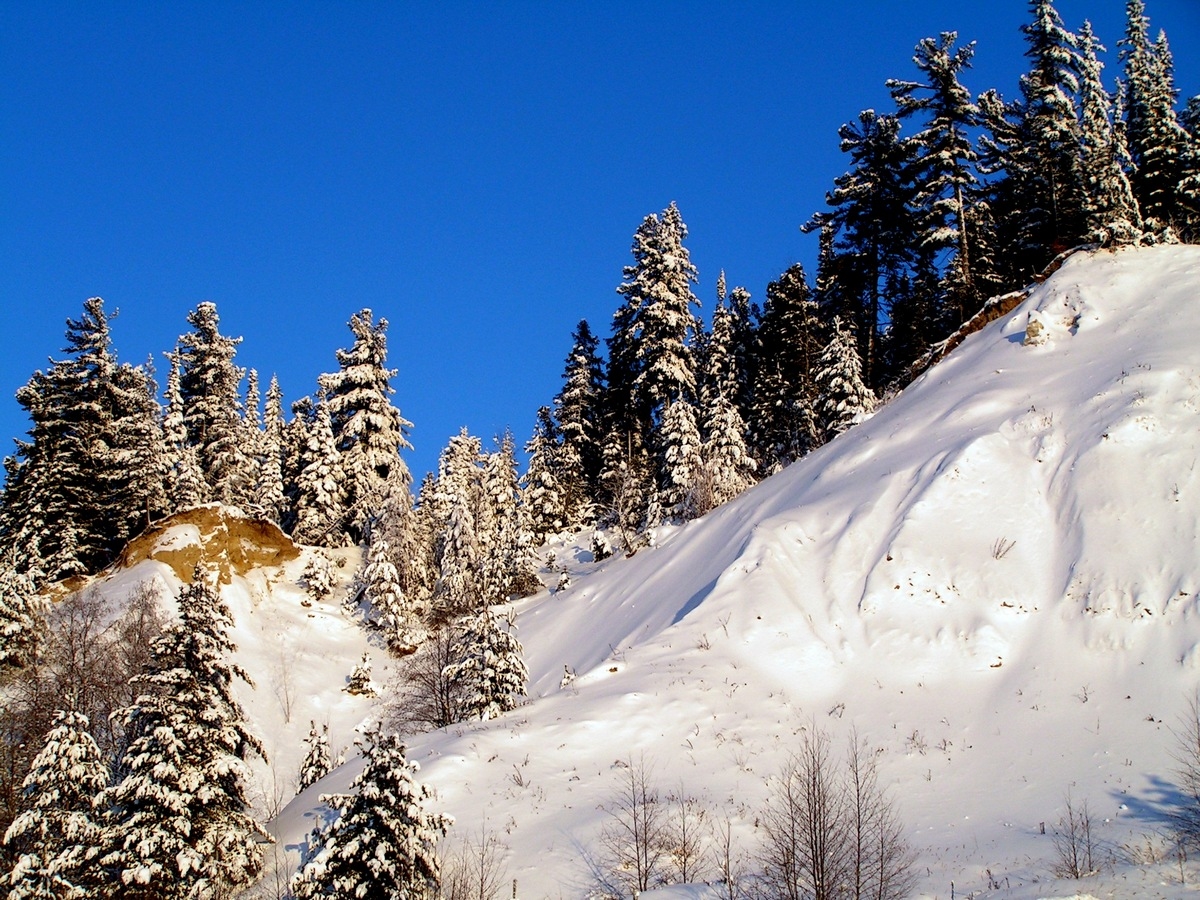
x=1162, y=804
x=695, y=600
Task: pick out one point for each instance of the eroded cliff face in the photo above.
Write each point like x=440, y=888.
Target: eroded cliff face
x=222, y=540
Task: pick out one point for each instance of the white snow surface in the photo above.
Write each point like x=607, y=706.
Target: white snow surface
x=993, y=579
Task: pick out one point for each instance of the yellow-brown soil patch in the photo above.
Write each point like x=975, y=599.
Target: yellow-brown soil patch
x=229, y=544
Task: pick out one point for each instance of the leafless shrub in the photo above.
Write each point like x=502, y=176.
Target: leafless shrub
x=424, y=697
x=82, y=660
x=1073, y=842
x=881, y=860
x=1001, y=547
x=1186, y=754
x=733, y=877
x=635, y=840
x=686, y=837
x=832, y=835
x=474, y=869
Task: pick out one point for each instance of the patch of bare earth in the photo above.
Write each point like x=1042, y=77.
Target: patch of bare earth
x=230, y=543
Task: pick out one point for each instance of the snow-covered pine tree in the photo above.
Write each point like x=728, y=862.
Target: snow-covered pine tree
x=743, y=348
x=1166, y=158
x=873, y=215
x=318, y=576
x=489, y=671
x=458, y=478
x=728, y=466
x=915, y=315
x=268, y=492
x=543, y=501
x=91, y=472
x=727, y=461
x=178, y=824
x=393, y=611
x=359, y=682
x=1109, y=207
x=56, y=839
x=789, y=345
x=381, y=843
x=212, y=410
x=317, y=762
x=626, y=485
x=661, y=280
x=409, y=540
x=844, y=397
x=253, y=440
x=321, y=494
x=944, y=167
x=500, y=536
x=579, y=415
x=186, y=486
x=1033, y=146
x=456, y=591
x=20, y=616
x=623, y=407
x=296, y=434
x=368, y=430
x=139, y=465
x=683, y=489
x=1190, y=117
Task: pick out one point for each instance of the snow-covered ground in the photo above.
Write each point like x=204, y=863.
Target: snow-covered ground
x=993, y=580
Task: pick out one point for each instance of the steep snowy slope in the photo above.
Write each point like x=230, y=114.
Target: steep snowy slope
x=994, y=580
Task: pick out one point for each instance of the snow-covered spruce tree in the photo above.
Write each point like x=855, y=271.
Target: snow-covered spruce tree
x=296, y=434
x=317, y=762
x=359, y=683
x=368, y=430
x=20, y=616
x=727, y=462
x=212, y=409
x=873, y=216
x=393, y=611
x=409, y=538
x=92, y=472
x=789, y=345
x=321, y=493
x=268, y=492
x=623, y=407
x=683, y=489
x=1165, y=157
x=489, y=672
x=944, y=167
x=253, y=439
x=318, y=576
x=56, y=839
x=458, y=480
x=626, y=485
x=381, y=845
x=140, y=462
x=579, y=416
x=1109, y=207
x=456, y=591
x=185, y=481
x=916, y=315
x=844, y=398
x=543, y=500
x=1030, y=150
x=661, y=280
x=178, y=823
x=501, y=536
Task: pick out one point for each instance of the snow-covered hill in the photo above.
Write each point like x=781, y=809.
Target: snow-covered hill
x=994, y=580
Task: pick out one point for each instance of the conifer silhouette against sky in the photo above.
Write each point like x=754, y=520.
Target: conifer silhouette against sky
x=472, y=172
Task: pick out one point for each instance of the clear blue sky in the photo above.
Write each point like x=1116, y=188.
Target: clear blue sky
x=472, y=171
